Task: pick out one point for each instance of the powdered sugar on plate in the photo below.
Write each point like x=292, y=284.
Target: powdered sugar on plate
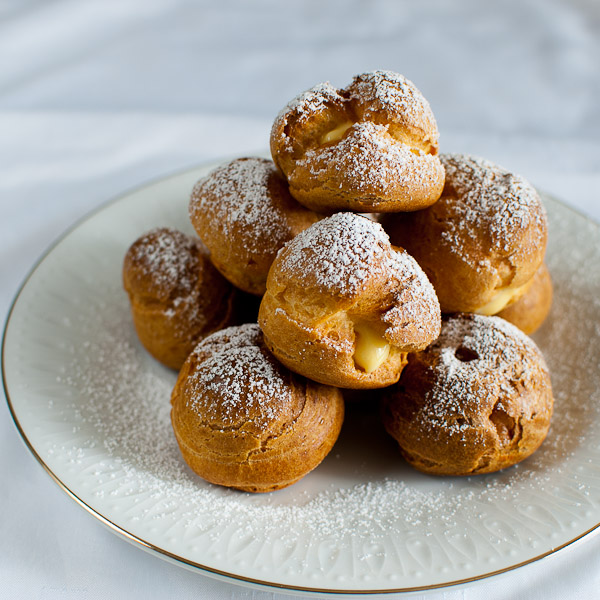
x=95, y=407
x=127, y=408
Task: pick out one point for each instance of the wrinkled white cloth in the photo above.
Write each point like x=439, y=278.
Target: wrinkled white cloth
x=98, y=97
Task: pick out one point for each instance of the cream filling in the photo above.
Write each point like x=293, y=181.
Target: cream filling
x=371, y=349
x=336, y=134
x=501, y=299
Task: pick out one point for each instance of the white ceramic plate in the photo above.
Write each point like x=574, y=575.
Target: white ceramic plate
x=94, y=409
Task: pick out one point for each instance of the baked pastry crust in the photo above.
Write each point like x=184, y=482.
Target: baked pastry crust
x=244, y=214
x=335, y=282
x=530, y=310
x=477, y=400
x=486, y=235
x=370, y=147
x=242, y=420
x=177, y=297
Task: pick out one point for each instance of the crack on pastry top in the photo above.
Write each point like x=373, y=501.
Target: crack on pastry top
x=372, y=161
x=311, y=102
x=380, y=97
x=475, y=364
x=481, y=196
x=392, y=98
x=236, y=383
x=415, y=313
x=248, y=196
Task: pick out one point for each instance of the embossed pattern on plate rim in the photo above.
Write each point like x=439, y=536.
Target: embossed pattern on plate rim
x=174, y=557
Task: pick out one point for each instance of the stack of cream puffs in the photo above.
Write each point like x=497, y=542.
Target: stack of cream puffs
x=377, y=262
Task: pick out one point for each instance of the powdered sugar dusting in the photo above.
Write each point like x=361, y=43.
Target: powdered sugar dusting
x=311, y=102
x=391, y=92
x=339, y=253
x=416, y=310
x=238, y=336
x=167, y=259
x=370, y=159
x=237, y=197
x=238, y=381
x=368, y=94
x=477, y=355
x=485, y=197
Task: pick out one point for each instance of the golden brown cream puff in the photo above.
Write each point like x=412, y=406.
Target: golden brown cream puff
x=479, y=399
x=370, y=147
x=344, y=307
x=244, y=214
x=243, y=420
x=482, y=242
x=177, y=297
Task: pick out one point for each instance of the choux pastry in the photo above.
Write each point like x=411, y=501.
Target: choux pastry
x=370, y=147
x=482, y=242
x=177, y=297
x=243, y=420
x=344, y=307
x=479, y=399
x=244, y=214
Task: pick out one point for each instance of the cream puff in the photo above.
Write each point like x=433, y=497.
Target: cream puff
x=243, y=420
x=479, y=399
x=244, y=214
x=482, y=242
x=344, y=307
x=177, y=297
x=369, y=147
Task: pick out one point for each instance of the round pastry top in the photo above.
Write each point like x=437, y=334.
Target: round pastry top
x=240, y=383
x=487, y=201
x=247, y=195
x=341, y=254
x=383, y=97
x=393, y=97
x=346, y=262
x=476, y=361
x=161, y=263
x=338, y=254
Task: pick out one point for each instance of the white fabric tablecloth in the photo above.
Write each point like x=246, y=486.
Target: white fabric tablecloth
x=98, y=97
